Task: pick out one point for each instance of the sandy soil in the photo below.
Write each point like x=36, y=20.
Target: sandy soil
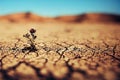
x=66, y=51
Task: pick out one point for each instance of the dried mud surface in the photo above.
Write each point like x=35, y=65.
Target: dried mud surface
x=66, y=52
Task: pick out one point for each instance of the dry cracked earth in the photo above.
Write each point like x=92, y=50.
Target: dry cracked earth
x=65, y=52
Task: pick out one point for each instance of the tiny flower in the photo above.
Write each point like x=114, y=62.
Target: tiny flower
x=32, y=30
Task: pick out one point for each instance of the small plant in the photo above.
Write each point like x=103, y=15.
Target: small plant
x=31, y=47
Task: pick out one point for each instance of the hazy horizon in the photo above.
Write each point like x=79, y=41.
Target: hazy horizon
x=57, y=8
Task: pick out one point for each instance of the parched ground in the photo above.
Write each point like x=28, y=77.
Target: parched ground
x=65, y=52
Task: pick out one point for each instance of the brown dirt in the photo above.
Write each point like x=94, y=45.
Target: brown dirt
x=66, y=51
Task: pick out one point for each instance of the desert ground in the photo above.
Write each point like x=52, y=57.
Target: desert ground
x=66, y=51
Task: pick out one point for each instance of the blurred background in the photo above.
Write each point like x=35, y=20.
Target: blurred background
x=62, y=10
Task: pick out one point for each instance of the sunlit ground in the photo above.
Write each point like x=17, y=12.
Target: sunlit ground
x=67, y=51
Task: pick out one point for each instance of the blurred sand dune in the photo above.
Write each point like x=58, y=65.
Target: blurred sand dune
x=82, y=18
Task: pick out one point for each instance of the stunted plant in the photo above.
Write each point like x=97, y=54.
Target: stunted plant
x=31, y=47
